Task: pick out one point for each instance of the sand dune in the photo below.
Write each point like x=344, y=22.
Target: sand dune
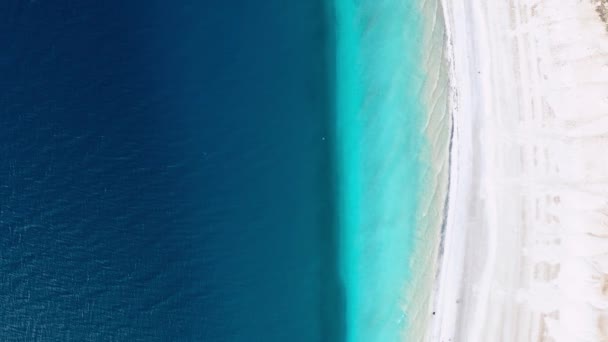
x=526, y=245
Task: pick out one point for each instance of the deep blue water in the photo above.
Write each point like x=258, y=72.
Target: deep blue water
x=165, y=173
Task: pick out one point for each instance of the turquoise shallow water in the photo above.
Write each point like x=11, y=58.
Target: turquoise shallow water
x=380, y=119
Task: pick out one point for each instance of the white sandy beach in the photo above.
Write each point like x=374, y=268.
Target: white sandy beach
x=526, y=245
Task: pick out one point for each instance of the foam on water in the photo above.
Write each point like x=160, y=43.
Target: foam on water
x=393, y=132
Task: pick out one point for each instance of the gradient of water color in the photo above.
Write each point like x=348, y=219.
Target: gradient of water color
x=213, y=171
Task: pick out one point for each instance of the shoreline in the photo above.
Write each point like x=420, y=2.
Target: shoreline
x=434, y=159
x=526, y=235
x=449, y=255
